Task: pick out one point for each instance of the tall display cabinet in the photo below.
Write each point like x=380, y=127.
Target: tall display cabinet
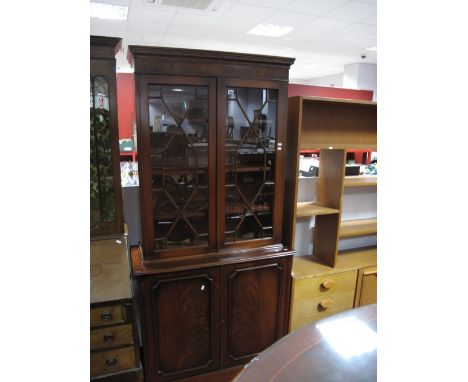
x=114, y=346
x=212, y=273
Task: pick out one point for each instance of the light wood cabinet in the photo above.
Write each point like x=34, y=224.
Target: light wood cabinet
x=330, y=127
x=366, y=290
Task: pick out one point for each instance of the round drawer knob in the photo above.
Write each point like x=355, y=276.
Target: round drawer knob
x=108, y=337
x=326, y=304
x=328, y=284
x=111, y=362
x=106, y=316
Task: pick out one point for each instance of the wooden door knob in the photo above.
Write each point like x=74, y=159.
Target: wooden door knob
x=328, y=284
x=326, y=304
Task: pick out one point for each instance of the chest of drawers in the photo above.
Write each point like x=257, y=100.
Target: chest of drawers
x=115, y=354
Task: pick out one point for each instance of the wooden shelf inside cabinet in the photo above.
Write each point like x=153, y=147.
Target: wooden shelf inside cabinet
x=305, y=267
x=313, y=209
x=360, y=181
x=360, y=227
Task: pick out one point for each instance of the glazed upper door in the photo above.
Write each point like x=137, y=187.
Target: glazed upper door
x=251, y=124
x=105, y=192
x=176, y=143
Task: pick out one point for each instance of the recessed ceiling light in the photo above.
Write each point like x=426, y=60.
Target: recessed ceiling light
x=374, y=48
x=271, y=30
x=177, y=90
x=108, y=11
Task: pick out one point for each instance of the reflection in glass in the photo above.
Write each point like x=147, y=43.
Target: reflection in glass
x=250, y=163
x=178, y=123
x=102, y=193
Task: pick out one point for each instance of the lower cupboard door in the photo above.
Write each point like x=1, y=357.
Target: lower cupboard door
x=255, y=308
x=182, y=325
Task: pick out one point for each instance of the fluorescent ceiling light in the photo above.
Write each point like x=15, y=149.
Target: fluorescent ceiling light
x=374, y=48
x=271, y=30
x=108, y=11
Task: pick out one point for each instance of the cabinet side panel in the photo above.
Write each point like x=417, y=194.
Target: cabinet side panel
x=291, y=170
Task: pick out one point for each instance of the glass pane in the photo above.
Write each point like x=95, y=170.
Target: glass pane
x=102, y=193
x=250, y=163
x=178, y=117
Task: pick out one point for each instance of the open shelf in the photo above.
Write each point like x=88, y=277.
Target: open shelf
x=313, y=209
x=361, y=227
x=305, y=267
x=360, y=181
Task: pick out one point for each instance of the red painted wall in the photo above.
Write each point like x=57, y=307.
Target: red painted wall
x=125, y=103
x=323, y=91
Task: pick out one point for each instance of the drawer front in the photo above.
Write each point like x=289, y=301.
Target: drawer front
x=110, y=337
x=105, y=315
x=319, y=297
x=110, y=361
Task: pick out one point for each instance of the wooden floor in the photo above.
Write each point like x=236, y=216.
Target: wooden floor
x=219, y=376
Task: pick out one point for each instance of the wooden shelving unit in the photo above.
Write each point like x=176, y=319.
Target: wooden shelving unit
x=312, y=209
x=338, y=277
x=360, y=181
x=360, y=227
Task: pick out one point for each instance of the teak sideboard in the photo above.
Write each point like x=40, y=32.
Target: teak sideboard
x=213, y=273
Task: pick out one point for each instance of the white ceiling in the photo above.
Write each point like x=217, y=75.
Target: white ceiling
x=327, y=35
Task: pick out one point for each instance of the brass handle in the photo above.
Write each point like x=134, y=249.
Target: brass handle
x=111, y=362
x=328, y=284
x=108, y=337
x=326, y=303
x=106, y=316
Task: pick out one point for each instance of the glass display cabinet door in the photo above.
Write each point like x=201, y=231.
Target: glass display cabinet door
x=249, y=137
x=179, y=129
x=103, y=212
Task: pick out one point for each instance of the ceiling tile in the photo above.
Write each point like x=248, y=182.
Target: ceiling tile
x=110, y=25
x=145, y=14
x=105, y=32
x=184, y=31
x=354, y=11
x=186, y=19
x=146, y=27
x=266, y=3
x=293, y=19
x=356, y=30
x=249, y=12
x=371, y=20
x=325, y=24
x=315, y=7
x=136, y=38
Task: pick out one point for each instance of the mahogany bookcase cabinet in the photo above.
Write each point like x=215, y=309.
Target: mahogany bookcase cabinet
x=212, y=274
x=328, y=280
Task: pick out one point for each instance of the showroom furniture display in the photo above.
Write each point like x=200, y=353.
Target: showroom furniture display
x=212, y=272
x=115, y=352
x=327, y=280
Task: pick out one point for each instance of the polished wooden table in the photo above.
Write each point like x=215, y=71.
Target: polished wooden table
x=338, y=348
